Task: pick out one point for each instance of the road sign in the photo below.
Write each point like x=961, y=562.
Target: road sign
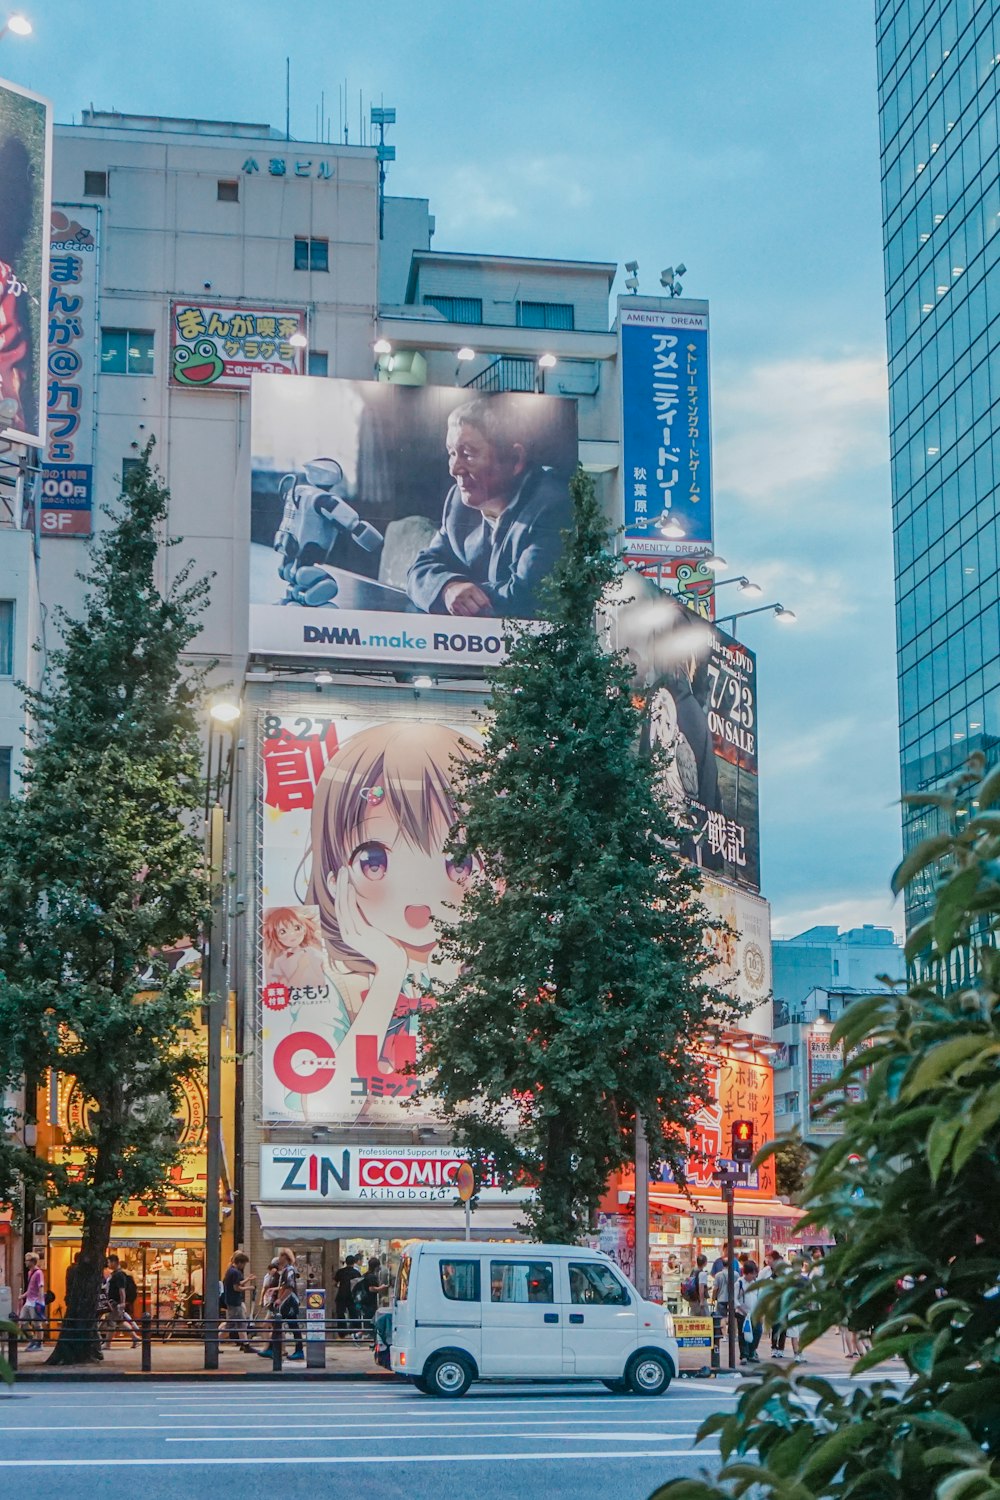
x=465, y=1181
x=737, y=1168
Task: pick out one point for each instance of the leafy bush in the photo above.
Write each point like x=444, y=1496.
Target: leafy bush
x=912, y=1194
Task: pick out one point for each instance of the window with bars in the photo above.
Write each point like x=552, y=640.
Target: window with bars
x=545, y=315
x=457, y=309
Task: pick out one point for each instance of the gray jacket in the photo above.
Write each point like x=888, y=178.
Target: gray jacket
x=509, y=563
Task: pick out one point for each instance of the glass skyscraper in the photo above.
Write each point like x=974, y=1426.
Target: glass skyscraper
x=939, y=78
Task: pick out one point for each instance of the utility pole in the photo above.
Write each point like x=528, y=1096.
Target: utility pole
x=217, y=999
x=641, y=1207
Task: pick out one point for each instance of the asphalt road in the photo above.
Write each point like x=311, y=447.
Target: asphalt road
x=164, y=1441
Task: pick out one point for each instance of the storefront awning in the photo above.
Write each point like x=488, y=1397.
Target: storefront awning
x=744, y=1207
x=285, y=1221
x=134, y=1234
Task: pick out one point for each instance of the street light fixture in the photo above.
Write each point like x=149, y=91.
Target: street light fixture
x=752, y=590
x=714, y=562
x=547, y=361
x=465, y=353
x=669, y=526
x=786, y=616
x=224, y=711
x=298, y=341
x=17, y=24
x=382, y=346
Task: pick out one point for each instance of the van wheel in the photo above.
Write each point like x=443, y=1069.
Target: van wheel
x=648, y=1374
x=420, y=1383
x=616, y=1387
x=447, y=1375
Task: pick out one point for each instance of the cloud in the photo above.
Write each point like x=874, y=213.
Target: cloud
x=791, y=423
x=512, y=188
x=878, y=907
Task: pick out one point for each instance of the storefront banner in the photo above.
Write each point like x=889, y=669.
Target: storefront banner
x=697, y=687
x=666, y=439
x=25, y=190
x=356, y=878
x=365, y=1174
x=715, y=1227
x=398, y=524
x=220, y=348
x=742, y=951
x=739, y=1089
x=74, y=321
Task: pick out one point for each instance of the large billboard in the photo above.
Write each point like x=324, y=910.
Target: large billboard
x=741, y=949
x=73, y=322
x=366, y=1174
x=666, y=440
x=355, y=877
x=25, y=168
x=219, y=348
x=697, y=687
x=400, y=523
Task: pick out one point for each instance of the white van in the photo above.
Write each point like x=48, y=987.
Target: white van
x=466, y=1312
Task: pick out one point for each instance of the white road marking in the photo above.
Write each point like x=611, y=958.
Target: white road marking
x=433, y=1422
x=324, y=1461
x=569, y=1437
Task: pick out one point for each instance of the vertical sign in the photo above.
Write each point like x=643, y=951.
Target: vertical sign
x=25, y=173
x=666, y=458
x=68, y=469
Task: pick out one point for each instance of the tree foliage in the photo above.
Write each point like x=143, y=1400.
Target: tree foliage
x=100, y=872
x=912, y=1192
x=580, y=995
x=791, y=1162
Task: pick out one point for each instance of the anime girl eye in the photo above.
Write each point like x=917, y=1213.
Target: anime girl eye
x=370, y=861
x=460, y=870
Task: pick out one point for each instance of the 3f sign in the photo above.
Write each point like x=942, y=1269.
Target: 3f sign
x=57, y=520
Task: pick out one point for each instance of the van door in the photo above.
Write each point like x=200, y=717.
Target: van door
x=601, y=1320
x=449, y=1302
x=522, y=1326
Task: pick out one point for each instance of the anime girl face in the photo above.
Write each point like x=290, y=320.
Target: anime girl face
x=382, y=816
x=290, y=933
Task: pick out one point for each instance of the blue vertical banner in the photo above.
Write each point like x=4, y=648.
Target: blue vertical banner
x=666, y=439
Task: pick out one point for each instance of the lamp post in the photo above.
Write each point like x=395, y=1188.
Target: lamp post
x=17, y=25
x=216, y=999
x=786, y=616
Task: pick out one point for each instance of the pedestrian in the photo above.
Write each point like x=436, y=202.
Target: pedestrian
x=720, y=1261
x=366, y=1291
x=343, y=1301
x=776, y=1268
x=697, y=1288
x=268, y=1308
x=286, y=1300
x=31, y=1309
x=116, y=1290
x=751, y=1325
x=235, y=1284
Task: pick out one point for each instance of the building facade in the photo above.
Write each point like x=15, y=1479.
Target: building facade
x=938, y=81
x=830, y=958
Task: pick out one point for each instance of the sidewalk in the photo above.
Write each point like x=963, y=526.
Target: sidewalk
x=349, y=1361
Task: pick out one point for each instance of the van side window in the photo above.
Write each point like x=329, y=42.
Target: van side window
x=460, y=1280
x=403, y=1279
x=521, y=1281
x=589, y=1281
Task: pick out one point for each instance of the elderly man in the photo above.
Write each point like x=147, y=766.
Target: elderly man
x=501, y=531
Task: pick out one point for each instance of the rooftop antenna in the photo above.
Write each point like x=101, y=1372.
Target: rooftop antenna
x=381, y=117
x=632, y=280
x=288, y=98
x=670, y=279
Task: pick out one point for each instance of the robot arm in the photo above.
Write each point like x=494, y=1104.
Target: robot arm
x=315, y=515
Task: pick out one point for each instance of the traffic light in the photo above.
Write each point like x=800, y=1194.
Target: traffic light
x=743, y=1151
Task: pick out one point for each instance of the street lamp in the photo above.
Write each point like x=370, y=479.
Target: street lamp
x=382, y=346
x=751, y=590
x=17, y=24
x=669, y=526
x=786, y=616
x=465, y=353
x=298, y=341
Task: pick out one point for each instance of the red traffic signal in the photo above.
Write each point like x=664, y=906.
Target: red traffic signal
x=743, y=1145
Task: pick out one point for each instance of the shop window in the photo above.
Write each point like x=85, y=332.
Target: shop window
x=95, y=184
x=228, y=190
x=591, y=1282
x=460, y=1280
x=6, y=637
x=318, y=362
x=126, y=351
x=311, y=255
x=521, y=1281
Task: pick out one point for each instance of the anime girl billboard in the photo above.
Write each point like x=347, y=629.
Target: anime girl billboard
x=356, y=878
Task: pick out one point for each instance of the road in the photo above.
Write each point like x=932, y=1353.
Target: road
x=163, y=1441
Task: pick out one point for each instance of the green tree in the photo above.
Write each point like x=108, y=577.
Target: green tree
x=912, y=1192
x=791, y=1161
x=581, y=996
x=100, y=872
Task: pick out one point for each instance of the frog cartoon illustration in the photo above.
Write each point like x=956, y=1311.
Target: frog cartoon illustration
x=197, y=364
x=695, y=585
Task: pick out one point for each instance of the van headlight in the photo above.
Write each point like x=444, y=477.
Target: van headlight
x=668, y=1323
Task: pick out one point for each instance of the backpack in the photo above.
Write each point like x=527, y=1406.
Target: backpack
x=690, y=1290
x=131, y=1290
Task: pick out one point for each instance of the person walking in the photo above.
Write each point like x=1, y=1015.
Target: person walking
x=777, y=1267
x=235, y=1285
x=268, y=1308
x=31, y=1308
x=366, y=1291
x=697, y=1289
x=751, y=1326
x=286, y=1300
x=116, y=1290
x=343, y=1302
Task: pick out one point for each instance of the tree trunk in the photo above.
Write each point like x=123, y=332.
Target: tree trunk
x=78, y=1342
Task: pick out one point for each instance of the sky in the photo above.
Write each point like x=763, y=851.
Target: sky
x=737, y=136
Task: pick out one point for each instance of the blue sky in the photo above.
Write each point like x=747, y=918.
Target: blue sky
x=740, y=138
